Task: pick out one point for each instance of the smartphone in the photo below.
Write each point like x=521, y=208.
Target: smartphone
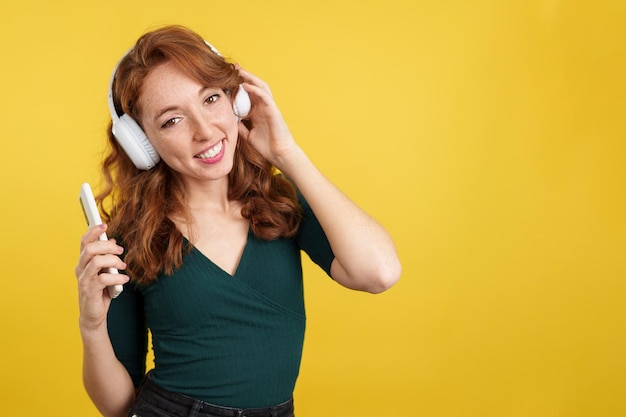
x=92, y=215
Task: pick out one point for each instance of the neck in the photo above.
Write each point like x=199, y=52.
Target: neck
x=208, y=196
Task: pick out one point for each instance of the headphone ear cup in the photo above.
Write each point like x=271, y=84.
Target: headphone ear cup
x=135, y=143
x=242, y=104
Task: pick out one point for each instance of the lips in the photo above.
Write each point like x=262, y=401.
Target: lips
x=211, y=152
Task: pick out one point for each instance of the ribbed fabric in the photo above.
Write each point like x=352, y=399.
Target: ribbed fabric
x=234, y=341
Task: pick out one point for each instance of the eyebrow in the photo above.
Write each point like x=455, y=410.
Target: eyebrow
x=163, y=111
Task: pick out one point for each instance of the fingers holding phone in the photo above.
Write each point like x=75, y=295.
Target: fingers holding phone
x=97, y=275
x=97, y=271
x=92, y=215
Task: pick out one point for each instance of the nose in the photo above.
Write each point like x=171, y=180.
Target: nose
x=203, y=128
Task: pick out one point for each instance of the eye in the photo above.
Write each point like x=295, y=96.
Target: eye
x=212, y=98
x=170, y=122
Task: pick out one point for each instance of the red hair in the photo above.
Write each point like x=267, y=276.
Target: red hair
x=142, y=203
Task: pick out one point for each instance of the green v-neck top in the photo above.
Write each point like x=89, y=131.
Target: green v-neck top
x=234, y=341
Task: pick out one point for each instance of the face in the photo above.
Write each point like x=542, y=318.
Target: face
x=192, y=127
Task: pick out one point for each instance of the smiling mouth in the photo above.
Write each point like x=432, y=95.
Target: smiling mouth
x=212, y=152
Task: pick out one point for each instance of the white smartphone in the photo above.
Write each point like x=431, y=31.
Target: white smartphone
x=92, y=215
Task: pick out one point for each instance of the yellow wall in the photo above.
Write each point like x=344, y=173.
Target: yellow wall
x=488, y=136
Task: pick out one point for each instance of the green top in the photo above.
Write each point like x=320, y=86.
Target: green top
x=234, y=341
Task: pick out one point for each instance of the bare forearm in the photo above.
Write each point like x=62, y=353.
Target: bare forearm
x=105, y=379
x=365, y=254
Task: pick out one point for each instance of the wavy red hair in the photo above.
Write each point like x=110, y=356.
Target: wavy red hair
x=143, y=203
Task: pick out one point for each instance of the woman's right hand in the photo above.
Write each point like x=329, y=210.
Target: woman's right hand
x=93, y=297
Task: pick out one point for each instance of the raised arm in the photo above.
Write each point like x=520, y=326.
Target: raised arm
x=365, y=255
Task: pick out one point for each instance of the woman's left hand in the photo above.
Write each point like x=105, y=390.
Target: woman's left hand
x=269, y=133
x=365, y=255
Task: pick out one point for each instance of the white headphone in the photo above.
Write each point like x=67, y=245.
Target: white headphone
x=133, y=139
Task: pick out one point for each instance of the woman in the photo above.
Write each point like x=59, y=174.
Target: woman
x=210, y=241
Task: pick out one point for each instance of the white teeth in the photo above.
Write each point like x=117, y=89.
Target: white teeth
x=211, y=152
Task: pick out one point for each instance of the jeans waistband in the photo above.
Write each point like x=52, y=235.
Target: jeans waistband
x=182, y=405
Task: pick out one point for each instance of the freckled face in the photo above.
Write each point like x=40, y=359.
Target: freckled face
x=192, y=127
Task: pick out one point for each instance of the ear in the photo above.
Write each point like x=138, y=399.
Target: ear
x=129, y=134
x=241, y=104
x=135, y=143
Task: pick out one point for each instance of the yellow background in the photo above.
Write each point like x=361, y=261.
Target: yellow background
x=487, y=136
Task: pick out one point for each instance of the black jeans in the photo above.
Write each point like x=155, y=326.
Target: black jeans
x=154, y=401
